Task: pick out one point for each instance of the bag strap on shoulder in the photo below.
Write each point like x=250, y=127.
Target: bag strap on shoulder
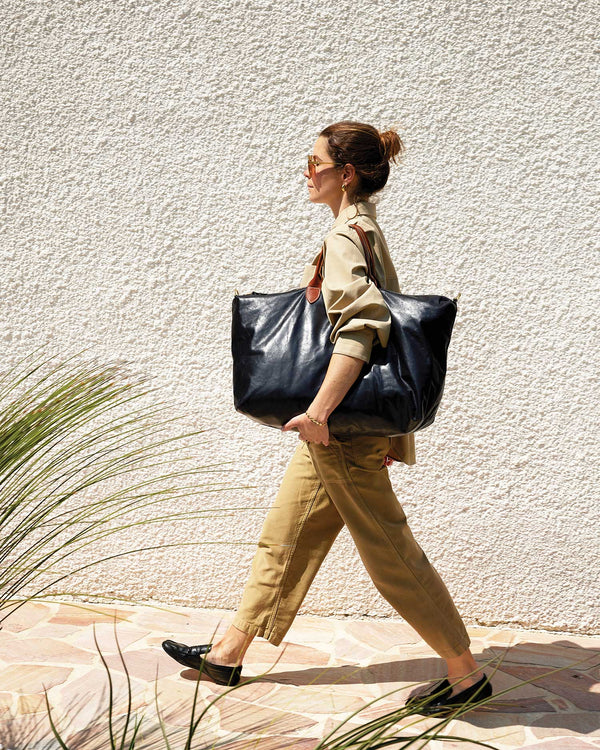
x=313, y=289
x=369, y=255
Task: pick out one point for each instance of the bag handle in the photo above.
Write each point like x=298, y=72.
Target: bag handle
x=313, y=290
x=369, y=255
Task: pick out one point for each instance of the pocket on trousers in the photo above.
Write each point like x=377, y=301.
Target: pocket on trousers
x=368, y=453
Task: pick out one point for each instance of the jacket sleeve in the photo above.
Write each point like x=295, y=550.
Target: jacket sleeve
x=355, y=307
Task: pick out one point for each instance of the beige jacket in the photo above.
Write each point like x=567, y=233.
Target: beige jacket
x=354, y=305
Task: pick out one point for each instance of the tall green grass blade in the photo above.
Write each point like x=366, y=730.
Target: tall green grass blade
x=129, y=696
x=110, y=693
x=53, y=728
x=161, y=723
x=134, y=734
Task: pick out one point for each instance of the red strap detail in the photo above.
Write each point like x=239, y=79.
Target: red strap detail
x=312, y=293
x=313, y=290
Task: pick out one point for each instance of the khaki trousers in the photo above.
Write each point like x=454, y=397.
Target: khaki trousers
x=323, y=489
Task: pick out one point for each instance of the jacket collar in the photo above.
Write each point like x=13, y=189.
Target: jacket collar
x=354, y=210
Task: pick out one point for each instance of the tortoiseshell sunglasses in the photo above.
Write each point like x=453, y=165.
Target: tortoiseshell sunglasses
x=314, y=162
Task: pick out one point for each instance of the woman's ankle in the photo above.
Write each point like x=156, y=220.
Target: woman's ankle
x=463, y=670
x=224, y=658
x=462, y=682
x=231, y=649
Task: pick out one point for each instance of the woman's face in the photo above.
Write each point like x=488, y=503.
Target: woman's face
x=325, y=186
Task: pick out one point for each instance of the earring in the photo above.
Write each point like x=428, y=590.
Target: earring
x=343, y=188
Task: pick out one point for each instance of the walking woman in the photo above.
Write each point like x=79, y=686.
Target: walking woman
x=332, y=480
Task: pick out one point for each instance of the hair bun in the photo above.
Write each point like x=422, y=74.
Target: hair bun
x=391, y=145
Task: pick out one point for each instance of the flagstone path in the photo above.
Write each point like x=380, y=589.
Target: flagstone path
x=292, y=696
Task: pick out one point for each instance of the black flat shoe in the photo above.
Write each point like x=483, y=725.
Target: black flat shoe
x=195, y=657
x=440, y=702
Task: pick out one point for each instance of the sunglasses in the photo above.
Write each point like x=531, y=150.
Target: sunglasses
x=314, y=162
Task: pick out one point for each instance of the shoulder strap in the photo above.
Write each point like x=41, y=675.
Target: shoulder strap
x=313, y=290
x=369, y=255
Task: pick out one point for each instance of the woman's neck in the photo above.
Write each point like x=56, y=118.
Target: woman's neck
x=338, y=207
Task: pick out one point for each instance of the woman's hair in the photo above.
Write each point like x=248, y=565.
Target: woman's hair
x=368, y=150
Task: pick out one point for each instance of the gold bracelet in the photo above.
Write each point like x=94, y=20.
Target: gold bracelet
x=314, y=421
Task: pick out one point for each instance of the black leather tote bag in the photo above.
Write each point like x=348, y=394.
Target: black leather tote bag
x=281, y=351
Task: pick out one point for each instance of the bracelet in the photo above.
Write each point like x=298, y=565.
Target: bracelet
x=314, y=421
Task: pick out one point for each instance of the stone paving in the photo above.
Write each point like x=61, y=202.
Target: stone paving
x=325, y=671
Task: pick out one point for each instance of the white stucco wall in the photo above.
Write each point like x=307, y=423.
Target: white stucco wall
x=151, y=162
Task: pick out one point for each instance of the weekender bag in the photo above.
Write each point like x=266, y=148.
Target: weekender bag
x=281, y=350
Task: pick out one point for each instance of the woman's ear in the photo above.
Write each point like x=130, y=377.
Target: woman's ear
x=348, y=173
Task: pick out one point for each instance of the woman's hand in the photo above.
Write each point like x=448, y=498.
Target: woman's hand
x=341, y=373
x=308, y=430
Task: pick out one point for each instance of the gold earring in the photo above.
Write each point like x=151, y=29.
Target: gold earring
x=343, y=188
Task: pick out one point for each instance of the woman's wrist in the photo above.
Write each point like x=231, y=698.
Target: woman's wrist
x=317, y=414
x=318, y=422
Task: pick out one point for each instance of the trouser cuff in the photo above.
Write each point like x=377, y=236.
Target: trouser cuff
x=258, y=631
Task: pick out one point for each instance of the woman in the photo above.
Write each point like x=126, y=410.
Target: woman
x=332, y=481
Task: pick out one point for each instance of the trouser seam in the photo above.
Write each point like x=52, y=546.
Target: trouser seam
x=398, y=552
x=271, y=622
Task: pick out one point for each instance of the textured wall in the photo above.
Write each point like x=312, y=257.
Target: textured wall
x=152, y=159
